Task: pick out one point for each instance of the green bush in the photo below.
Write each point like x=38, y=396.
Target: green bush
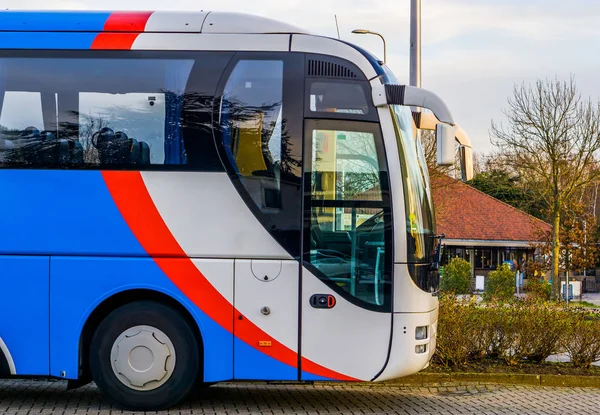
x=534, y=331
x=489, y=334
x=457, y=277
x=515, y=332
x=582, y=342
x=500, y=284
x=454, y=336
x=538, y=290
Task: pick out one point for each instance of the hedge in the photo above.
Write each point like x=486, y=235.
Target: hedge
x=517, y=332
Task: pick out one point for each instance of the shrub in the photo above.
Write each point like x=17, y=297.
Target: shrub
x=454, y=336
x=500, y=284
x=489, y=335
x=522, y=330
x=536, y=330
x=582, y=341
x=538, y=289
x=457, y=277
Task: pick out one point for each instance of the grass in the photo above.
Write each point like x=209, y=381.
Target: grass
x=583, y=304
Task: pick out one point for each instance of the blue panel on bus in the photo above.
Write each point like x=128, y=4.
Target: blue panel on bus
x=24, y=312
x=251, y=364
x=80, y=284
x=46, y=40
x=47, y=21
x=64, y=212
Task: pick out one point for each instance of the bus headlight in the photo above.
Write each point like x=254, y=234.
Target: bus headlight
x=421, y=333
x=420, y=348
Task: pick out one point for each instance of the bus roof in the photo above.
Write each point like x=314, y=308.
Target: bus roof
x=140, y=21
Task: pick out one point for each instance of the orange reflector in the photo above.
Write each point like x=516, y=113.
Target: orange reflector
x=264, y=343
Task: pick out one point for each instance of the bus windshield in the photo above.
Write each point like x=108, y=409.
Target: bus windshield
x=420, y=220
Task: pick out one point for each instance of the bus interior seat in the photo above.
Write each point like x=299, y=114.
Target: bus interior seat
x=144, y=153
x=53, y=150
x=134, y=151
x=328, y=243
x=118, y=148
x=76, y=150
x=32, y=146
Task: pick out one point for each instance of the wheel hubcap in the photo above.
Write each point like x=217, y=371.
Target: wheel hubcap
x=143, y=358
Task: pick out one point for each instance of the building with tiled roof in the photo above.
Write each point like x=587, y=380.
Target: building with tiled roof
x=482, y=229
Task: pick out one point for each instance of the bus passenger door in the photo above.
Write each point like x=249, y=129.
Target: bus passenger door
x=266, y=300
x=347, y=256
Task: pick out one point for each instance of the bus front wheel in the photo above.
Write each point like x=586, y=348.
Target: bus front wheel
x=144, y=356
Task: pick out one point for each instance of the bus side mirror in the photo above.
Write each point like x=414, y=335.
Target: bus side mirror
x=466, y=163
x=445, y=138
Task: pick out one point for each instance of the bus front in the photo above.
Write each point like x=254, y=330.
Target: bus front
x=416, y=244
x=369, y=221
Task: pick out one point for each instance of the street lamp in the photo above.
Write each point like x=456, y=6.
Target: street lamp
x=369, y=32
x=415, y=43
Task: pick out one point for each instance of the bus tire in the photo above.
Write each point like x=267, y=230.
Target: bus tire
x=144, y=356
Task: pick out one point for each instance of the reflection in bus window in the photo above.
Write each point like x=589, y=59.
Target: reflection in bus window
x=253, y=128
x=20, y=109
x=348, y=221
x=100, y=113
x=338, y=97
x=139, y=116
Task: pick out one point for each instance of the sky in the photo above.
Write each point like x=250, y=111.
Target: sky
x=473, y=51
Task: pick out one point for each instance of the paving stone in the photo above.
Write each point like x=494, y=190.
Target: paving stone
x=33, y=397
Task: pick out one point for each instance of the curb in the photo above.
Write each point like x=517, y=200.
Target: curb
x=422, y=379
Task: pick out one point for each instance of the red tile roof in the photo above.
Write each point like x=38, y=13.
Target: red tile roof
x=463, y=212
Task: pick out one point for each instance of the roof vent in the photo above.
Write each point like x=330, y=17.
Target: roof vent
x=328, y=69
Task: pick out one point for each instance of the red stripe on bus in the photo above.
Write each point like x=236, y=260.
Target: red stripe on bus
x=129, y=193
x=127, y=21
x=114, y=41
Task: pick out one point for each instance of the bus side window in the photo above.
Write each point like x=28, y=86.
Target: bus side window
x=338, y=97
x=252, y=128
x=64, y=111
x=21, y=119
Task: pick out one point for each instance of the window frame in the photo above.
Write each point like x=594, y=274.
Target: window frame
x=385, y=204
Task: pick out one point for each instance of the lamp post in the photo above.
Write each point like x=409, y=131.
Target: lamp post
x=415, y=43
x=369, y=32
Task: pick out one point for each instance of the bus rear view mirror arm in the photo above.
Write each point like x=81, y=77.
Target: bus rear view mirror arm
x=414, y=97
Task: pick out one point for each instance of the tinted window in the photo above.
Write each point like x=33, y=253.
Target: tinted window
x=260, y=128
x=338, y=97
x=84, y=110
x=251, y=117
x=349, y=221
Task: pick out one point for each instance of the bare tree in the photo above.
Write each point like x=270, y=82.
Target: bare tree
x=552, y=139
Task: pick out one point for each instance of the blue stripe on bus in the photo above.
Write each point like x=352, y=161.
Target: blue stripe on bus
x=49, y=21
x=61, y=212
x=46, y=40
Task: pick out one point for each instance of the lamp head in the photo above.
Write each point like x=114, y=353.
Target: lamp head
x=361, y=31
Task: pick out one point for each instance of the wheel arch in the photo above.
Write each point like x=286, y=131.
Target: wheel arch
x=121, y=298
